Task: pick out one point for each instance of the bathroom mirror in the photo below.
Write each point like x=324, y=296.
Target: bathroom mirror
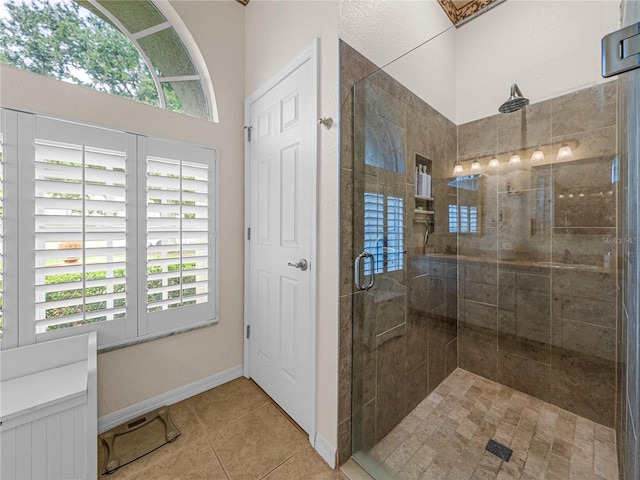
x=466, y=216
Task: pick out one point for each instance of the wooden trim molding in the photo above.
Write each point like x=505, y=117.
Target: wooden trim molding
x=460, y=10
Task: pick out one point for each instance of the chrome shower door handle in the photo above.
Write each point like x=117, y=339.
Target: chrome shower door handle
x=356, y=271
x=302, y=264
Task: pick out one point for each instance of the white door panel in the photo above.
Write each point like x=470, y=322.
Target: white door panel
x=282, y=167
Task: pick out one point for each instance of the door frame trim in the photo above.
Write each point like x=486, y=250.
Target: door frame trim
x=309, y=54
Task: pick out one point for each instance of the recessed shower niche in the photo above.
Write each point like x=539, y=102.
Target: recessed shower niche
x=424, y=202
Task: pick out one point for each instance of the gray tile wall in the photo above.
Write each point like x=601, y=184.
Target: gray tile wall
x=537, y=296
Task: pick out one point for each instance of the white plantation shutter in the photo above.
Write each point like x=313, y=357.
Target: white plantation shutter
x=180, y=235
x=374, y=231
x=1, y=233
x=106, y=231
x=80, y=235
x=384, y=232
x=395, y=234
x=81, y=231
x=453, y=219
x=463, y=219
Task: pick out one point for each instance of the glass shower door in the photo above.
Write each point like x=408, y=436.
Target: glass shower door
x=379, y=253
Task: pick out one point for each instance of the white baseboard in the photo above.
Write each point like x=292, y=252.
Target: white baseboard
x=107, y=422
x=326, y=450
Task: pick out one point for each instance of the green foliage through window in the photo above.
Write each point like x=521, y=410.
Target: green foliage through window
x=61, y=39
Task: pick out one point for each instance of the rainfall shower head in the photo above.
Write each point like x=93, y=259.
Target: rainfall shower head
x=515, y=101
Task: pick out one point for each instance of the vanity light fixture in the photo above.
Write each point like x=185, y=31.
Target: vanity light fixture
x=458, y=170
x=515, y=159
x=565, y=153
x=475, y=166
x=494, y=162
x=538, y=155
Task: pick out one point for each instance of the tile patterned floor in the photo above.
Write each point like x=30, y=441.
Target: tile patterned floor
x=444, y=438
x=232, y=432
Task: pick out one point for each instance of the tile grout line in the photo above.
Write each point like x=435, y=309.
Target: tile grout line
x=215, y=454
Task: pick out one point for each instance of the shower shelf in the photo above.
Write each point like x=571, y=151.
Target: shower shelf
x=424, y=206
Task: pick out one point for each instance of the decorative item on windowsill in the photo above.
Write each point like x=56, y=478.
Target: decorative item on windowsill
x=70, y=246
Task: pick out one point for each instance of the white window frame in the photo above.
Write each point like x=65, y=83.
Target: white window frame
x=19, y=131
x=9, y=127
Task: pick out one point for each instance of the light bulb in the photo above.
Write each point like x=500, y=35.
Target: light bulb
x=538, y=155
x=475, y=166
x=515, y=159
x=565, y=153
x=494, y=162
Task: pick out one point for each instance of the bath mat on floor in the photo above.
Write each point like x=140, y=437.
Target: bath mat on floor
x=136, y=438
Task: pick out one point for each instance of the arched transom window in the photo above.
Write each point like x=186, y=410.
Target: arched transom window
x=123, y=47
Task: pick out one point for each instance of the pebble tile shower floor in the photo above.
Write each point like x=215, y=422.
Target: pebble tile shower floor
x=445, y=436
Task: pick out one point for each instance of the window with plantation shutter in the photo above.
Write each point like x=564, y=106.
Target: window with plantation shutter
x=453, y=219
x=82, y=232
x=383, y=232
x=463, y=219
x=374, y=231
x=395, y=234
x=180, y=236
x=106, y=231
x=80, y=235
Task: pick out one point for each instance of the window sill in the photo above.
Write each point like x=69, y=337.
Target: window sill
x=155, y=336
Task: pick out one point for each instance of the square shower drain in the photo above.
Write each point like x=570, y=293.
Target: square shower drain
x=501, y=451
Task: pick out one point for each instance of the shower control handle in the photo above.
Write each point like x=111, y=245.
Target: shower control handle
x=356, y=271
x=302, y=264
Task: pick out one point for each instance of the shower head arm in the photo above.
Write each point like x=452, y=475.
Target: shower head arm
x=515, y=91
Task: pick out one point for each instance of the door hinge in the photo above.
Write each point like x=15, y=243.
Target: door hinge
x=248, y=129
x=621, y=51
x=248, y=330
x=249, y=233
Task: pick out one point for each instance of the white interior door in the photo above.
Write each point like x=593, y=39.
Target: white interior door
x=281, y=217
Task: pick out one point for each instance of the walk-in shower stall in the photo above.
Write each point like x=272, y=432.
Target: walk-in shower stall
x=485, y=288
